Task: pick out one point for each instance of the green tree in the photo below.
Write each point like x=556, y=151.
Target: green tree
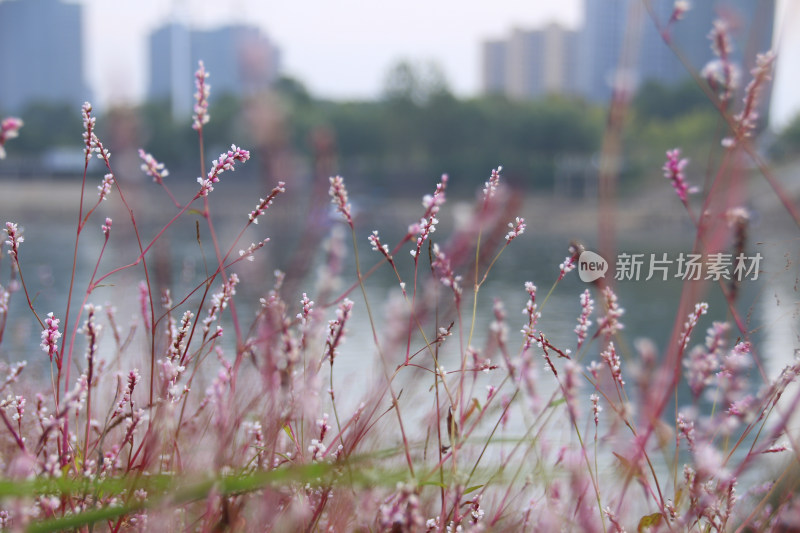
x=415, y=82
x=654, y=100
x=47, y=126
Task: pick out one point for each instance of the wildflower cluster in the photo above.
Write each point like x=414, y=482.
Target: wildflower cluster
x=427, y=224
x=218, y=166
x=190, y=428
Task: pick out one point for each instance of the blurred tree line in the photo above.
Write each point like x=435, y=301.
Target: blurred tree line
x=416, y=131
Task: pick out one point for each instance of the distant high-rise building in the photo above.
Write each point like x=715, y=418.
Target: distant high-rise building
x=494, y=67
x=531, y=63
x=41, y=54
x=619, y=42
x=240, y=59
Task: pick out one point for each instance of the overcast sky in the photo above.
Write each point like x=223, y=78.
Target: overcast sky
x=343, y=48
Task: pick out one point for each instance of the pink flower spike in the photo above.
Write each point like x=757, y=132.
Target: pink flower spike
x=15, y=238
x=338, y=194
x=587, y=306
x=9, y=129
x=679, y=9
x=566, y=267
x=596, y=408
x=609, y=325
x=517, y=229
x=673, y=171
x=218, y=166
x=200, y=115
x=720, y=39
x=721, y=74
x=746, y=119
x=611, y=358
x=336, y=330
x=427, y=224
x=442, y=267
x=90, y=140
x=89, y=137
x=490, y=187
x=378, y=246
x=105, y=186
x=691, y=322
x=50, y=336
x=153, y=168
x=106, y=227
x=263, y=204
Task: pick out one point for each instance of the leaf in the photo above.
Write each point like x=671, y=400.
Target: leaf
x=630, y=468
x=472, y=488
x=556, y=403
x=649, y=521
x=288, y=431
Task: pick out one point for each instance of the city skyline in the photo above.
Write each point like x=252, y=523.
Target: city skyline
x=617, y=43
x=334, y=61
x=344, y=50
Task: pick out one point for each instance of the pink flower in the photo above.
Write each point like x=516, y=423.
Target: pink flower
x=90, y=140
x=691, y=322
x=105, y=186
x=533, y=314
x=596, y=408
x=218, y=166
x=153, y=168
x=673, y=171
x=442, y=267
x=427, y=224
x=587, y=306
x=15, y=238
x=746, y=119
x=720, y=39
x=378, y=246
x=50, y=336
x=566, y=267
x=338, y=194
x=679, y=9
x=9, y=129
x=200, y=115
x=610, y=324
x=611, y=358
x=263, y=204
x=517, y=229
x=92, y=330
x=490, y=187
x=336, y=329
